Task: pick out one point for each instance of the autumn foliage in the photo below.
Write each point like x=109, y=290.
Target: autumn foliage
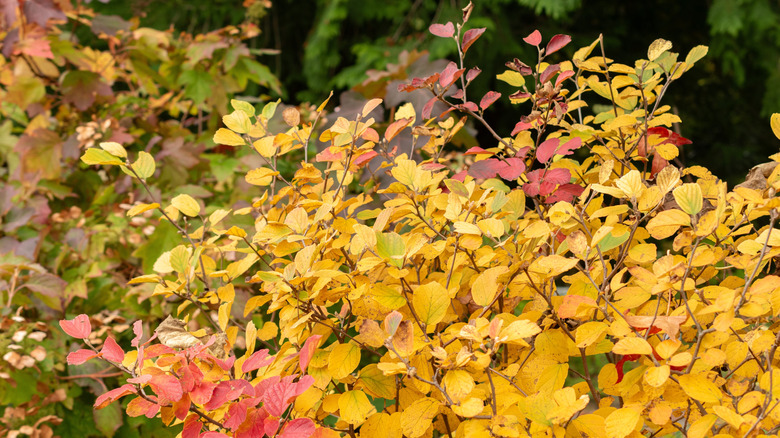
x=567, y=279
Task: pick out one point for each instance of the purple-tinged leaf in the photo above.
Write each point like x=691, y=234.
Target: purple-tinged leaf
x=485, y=169
x=565, y=192
x=563, y=76
x=488, y=99
x=428, y=108
x=557, y=43
x=557, y=176
x=458, y=95
x=450, y=74
x=471, y=106
x=570, y=146
x=520, y=67
x=470, y=36
x=442, y=30
x=534, y=39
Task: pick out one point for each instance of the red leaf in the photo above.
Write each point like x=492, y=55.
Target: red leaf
x=470, y=37
x=450, y=74
x=112, y=351
x=258, y=360
x=254, y=426
x=570, y=146
x=166, y=387
x=237, y=412
x=213, y=434
x=557, y=43
x=140, y=380
x=512, y=169
x=80, y=356
x=485, y=169
x=203, y=392
x=78, y=327
x=191, y=376
x=563, y=76
x=228, y=391
x=157, y=350
x=139, y=406
x=471, y=106
x=298, y=428
x=442, y=30
x=535, y=176
x=328, y=155
x=488, y=99
x=565, y=192
x=138, y=330
x=181, y=407
x=531, y=188
x=192, y=427
x=547, y=149
x=534, y=39
x=365, y=158
x=460, y=176
x=111, y=396
x=458, y=95
x=307, y=351
x=271, y=426
x=549, y=72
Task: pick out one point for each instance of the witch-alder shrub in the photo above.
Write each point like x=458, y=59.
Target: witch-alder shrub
x=567, y=280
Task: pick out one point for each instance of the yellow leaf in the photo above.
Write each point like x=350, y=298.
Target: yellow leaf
x=485, y=287
x=667, y=151
x=462, y=227
x=406, y=111
x=729, y=416
x=552, y=266
x=343, y=359
x=418, y=416
x=518, y=330
x=491, y=227
x=228, y=137
x=261, y=176
x=354, y=407
x=621, y=423
x=217, y=216
x=430, y=302
x=458, y=384
x=667, y=222
x=149, y=278
x=632, y=345
x=237, y=121
x=589, y=333
x=657, y=48
x=689, y=198
x=700, y=388
x=99, y=156
x=552, y=379
x=369, y=106
x=265, y=146
x=141, y=208
x=377, y=383
x=701, y=427
x=774, y=121
x=224, y=315
x=511, y=77
x=186, y=204
x=657, y=376
x=469, y=408
x=631, y=184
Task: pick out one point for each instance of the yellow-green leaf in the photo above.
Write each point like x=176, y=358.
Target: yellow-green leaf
x=240, y=105
x=238, y=121
x=144, y=166
x=774, y=121
x=689, y=198
x=100, y=157
x=114, y=148
x=186, y=204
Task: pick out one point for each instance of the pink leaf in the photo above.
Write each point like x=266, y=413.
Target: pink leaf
x=485, y=169
x=298, y=428
x=471, y=106
x=458, y=95
x=138, y=330
x=570, y=146
x=432, y=166
x=111, y=396
x=531, y=188
x=166, y=387
x=78, y=327
x=258, y=360
x=470, y=37
x=476, y=150
x=488, y=99
x=80, y=356
x=112, y=351
x=328, y=155
x=364, y=159
x=442, y=30
x=460, y=176
x=472, y=73
x=556, y=43
x=213, y=434
x=563, y=76
x=549, y=72
x=534, y=39
x=142, y=379
x=428, y=108
x=228, y=391
x=307, y=351
x=521, y=126
x=557, y=176
x=512, y=169
x=450, y=74
x=271, y=426
x=202, y=393
x=192, y=427
x=547, y=149
x=565, y=192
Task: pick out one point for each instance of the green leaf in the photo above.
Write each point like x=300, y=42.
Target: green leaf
x=198, y=85
x=108, y=419
x=391, y=247
x=270, y=109
x=144, y=166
